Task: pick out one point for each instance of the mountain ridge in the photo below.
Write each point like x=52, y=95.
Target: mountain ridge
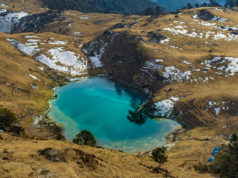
x=119, y=6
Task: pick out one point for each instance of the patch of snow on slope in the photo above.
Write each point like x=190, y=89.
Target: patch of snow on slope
x=225, y=64
x=84, y=18
x=165, y=41
x=68, y=59
x=165, y=107
x=64, y=61
x=184, y=32
x=58, y=42
x=31, y=36
x=150, y=68
x=42, y=68
x=174, y=73
x=218, y=107
x=95, y=57
x=8, y=21
x=186, y=62
x=34, y=77
x=207, y=24
x=4, y=5
x=152, y=65
x=29, y=48
x=3, y=11
x=51, y=64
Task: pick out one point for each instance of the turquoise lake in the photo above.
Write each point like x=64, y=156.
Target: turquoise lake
x=99, y=105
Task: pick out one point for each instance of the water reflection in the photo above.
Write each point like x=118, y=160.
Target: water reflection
x=115, y=114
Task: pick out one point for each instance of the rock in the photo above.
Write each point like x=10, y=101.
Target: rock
x=118, y=25
x=205, y=15
x=106, y=33
x=18, y=130
x=132, y=24
x=33, y=23
x=156, y=37
x=234, y=33
x=52, y=155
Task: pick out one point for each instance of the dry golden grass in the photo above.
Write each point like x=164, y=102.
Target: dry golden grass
x=192, y=146
x=31, y=6
x=21, y=159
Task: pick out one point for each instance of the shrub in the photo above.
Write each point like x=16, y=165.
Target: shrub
x=85, y=137
x=159, y=155
x=7, y=117
x=225, y=162
x=60, y=136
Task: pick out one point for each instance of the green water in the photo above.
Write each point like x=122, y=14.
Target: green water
x=99, y=105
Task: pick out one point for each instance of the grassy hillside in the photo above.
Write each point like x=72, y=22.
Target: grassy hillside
x=189, y=58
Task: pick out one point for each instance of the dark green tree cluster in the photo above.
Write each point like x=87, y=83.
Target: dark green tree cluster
x=231, y=3
x=85, y=137
x=226, y=161
x=7, y=117
x=137, y=116
x=102, y=6
x=153, y=11
x=212, y=3
x=141, y=114
x=160, y=155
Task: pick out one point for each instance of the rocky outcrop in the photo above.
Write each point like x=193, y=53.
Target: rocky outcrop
x=34, y=23
x=80, y=157
x=124, y=59
x=156, y=37
x=204, y=15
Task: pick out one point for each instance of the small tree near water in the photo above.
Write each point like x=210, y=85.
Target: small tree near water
x=85, y=137
x=159, y=155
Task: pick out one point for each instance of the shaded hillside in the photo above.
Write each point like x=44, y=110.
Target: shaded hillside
x=119, y=6
x=176, y=4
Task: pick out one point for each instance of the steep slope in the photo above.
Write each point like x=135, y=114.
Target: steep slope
x=36, y=158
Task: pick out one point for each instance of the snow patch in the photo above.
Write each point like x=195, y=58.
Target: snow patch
x=165, y=107
x=8, y=21
x=34, y=77
x=4, y=5
x=84, y=18
x=229, y=65
x=186, y=62
x=175, y=74
x=58, y=42
x=28, y=48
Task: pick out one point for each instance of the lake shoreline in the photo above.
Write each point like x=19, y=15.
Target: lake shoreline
x=86, y=78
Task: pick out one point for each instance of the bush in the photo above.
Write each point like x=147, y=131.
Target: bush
x=85, y=137
x=60, y=136
x=226, y=161
x=7, y=117
x=159, y=155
